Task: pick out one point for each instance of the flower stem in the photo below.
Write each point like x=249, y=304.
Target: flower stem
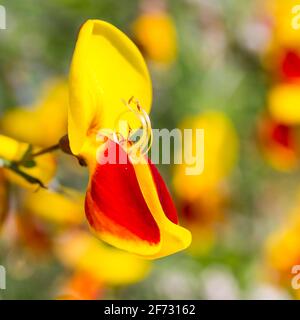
x=46, y=150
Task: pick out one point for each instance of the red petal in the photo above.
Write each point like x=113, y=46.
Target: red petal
x=116, y=196
x=164, y=194
x=290, y=65
x=282, y=135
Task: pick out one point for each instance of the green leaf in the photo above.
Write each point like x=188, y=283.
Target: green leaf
x=27, y=155
x=29, y=164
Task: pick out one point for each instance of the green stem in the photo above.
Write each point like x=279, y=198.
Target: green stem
x=13, y=166
x=29, y=157
x=27, y=177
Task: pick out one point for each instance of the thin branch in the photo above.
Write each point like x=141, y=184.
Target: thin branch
x=46, y=150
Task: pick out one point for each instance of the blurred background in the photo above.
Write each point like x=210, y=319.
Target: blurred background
x=231, y=67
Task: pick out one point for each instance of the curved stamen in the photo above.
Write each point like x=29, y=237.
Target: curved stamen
x=143, y=145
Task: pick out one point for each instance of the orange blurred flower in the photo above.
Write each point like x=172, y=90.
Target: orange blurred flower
x=279, y=143
x=155, y=34
x=80, y=286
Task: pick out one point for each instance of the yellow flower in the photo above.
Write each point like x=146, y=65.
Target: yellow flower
x=44, y=123
x=107, y=71
x=282, y=247
x=155, y=34
x=63, y=209
x=220, y=155
x=282, y=17
x=284, y=103
x=202, y=197
x=80, y=251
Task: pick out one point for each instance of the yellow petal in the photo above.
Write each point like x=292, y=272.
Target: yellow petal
x=44, y=123
x=107, y=69
x=62, y=209
x=10, y=148
x=282, y=248
x=82, y=252
x=284, y=103
x=174, y=238
x=282, y=17
x=220, y=154
x=149, y=30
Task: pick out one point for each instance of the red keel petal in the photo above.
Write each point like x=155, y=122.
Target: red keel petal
x=115, y=194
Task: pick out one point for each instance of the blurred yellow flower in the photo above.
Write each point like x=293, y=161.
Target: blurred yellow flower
x=155, y=34
x=80, y=251
x=203, y=197
x=64, y=209
x=44, y=123
x=220, y=155
x=282, y=247
x=282, y=17
x=284, y=103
